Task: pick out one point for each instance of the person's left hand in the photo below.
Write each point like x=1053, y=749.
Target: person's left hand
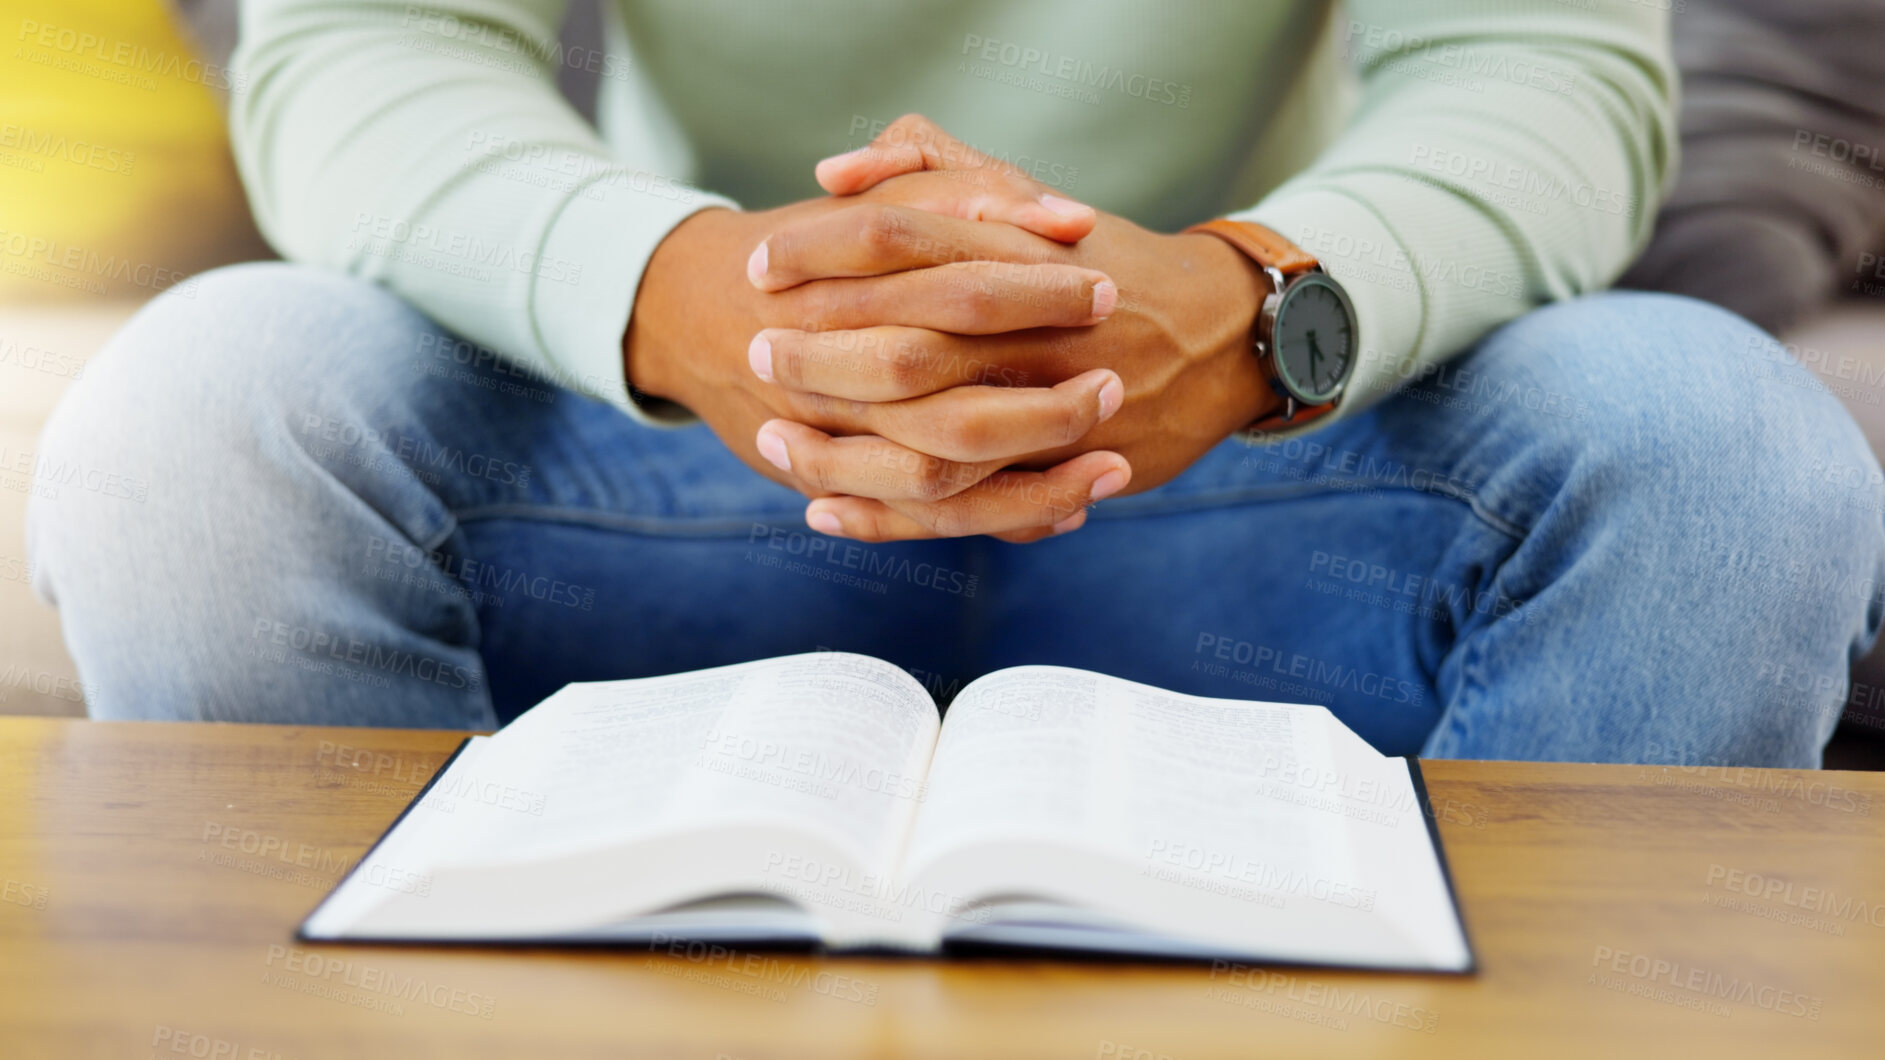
x=1179, y=340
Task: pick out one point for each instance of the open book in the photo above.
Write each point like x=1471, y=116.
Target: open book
x=819, y=799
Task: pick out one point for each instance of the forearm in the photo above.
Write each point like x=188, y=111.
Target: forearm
x=692, y=298
x=426, y=148
x=1499, y=160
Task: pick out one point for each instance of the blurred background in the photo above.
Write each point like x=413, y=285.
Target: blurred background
x=116, y=183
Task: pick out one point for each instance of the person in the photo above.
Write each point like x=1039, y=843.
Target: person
x=534, y=403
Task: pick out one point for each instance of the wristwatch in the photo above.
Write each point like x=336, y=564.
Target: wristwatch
x=1306, y=332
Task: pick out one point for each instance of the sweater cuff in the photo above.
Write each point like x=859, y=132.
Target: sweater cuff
x=584, y=286
x=1357, y=248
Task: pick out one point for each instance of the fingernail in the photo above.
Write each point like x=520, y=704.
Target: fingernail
x=1108, y=484
x=1112, y=395
x=759, y=355
x=1072, y=522
x=756, y=265
x=772, y=447
x=823, y=521
x=1065, y=207
x=1105, y=297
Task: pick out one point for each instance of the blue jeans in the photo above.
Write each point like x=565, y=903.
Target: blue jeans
x=1626, y=527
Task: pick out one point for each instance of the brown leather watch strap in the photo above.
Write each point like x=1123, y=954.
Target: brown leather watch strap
x=1262, y=245
x=1304, y=414
x=1269, y=250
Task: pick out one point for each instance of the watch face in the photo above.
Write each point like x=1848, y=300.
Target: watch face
x=1314, y=338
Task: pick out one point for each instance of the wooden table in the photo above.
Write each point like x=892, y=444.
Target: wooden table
x=151, y=877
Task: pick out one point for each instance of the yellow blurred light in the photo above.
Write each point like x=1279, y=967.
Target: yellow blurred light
x=115, y=175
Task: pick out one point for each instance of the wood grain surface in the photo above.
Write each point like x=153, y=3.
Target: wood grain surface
x=151, y=877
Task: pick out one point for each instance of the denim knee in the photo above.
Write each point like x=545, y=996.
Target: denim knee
x=227, y=523
x=1702, y=452
x=1683, y=405
x=267, y=333
x=180, y=395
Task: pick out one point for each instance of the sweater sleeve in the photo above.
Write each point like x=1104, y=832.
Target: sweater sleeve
x=1503, y=155
x=424, y=146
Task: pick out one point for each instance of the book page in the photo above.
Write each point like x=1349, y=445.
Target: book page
x=1253, y=827
x=833, y=741
x=1076, y=757
x=612, y=793
x=843, y=739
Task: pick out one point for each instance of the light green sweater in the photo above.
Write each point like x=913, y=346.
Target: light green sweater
x=1492, y=155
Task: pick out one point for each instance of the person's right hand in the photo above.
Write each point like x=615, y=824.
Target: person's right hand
x=699, y=309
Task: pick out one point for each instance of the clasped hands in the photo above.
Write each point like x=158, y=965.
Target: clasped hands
x=944, y=348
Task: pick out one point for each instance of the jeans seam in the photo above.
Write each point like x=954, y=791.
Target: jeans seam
x=1497, y=522
x=442, y=535
x=1471, y=690
x=1472, y=681
x=1230, y=498
x=727, y=526
x=651, y=526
